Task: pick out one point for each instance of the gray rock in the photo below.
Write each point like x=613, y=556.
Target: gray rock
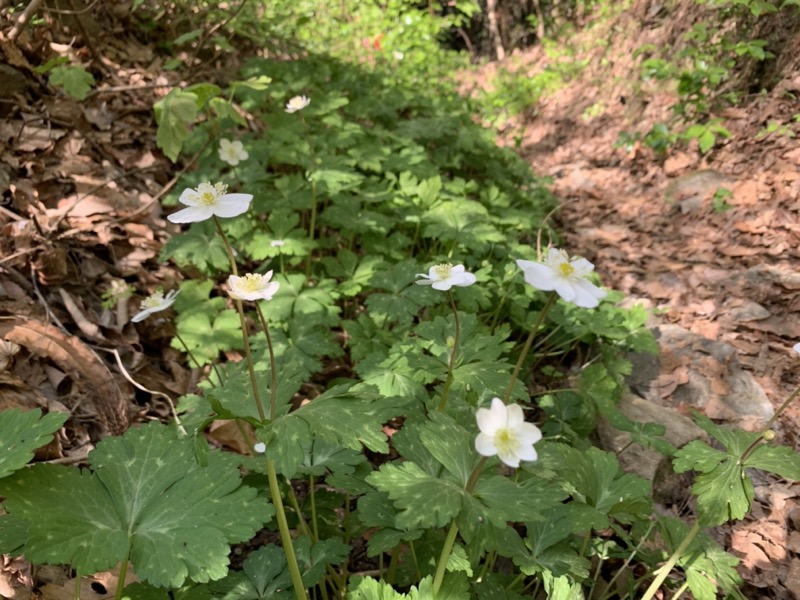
x=711, y=379
x=680, y=430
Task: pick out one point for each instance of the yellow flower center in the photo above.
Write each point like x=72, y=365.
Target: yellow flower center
x=505, y=441
x=153, y=300
x=208, y=198
x=251, y=282
x=443, y=270
x=566, y=269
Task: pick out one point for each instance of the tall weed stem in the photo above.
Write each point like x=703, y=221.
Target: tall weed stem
x=550, y=301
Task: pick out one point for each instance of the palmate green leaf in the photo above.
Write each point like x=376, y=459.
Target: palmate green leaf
x=22, y=432
x=724, y=494
x=263, y=576
x=146, y=496
x=200, y=246
x=367, y=588
x=594, y=477
x=235, y=395
x=175, y=113
x=76, y=81
x=297, y=300
x=326, y=457
x=708, y=567
x=206, y=335
x=724, y=489
x=423, y=500
x=454, y=587
x=450, y=444
x=393, y=376
x=780, y=460
x=143, y=591
x=351, y=416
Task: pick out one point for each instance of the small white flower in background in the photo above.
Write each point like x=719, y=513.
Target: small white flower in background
x=210, y=200
x=297, y=103
x=260, y=448
x=252, y=286
x=398, y=55
x=505, y=433
x=443, y=277
x=277, y=243
x=565, y=276
x=155, y=302
x=232, y=152
x=796, y=348
x=7, y=352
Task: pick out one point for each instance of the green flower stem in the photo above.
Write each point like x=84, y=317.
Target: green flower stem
x=228, y=248
x=313, y=499
x=391, y=573
x=275, y=492
x=609, y=589
x=441, y=567
x=449, y=541
x=193, y=359
x=666, y=568
x=452, y=364
x=243, y=323
x=286, y=537
x=273, y=384
x=76, y=592
x=550, y=301
x=123, y=571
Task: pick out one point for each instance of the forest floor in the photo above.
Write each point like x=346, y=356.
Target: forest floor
x=647, y=222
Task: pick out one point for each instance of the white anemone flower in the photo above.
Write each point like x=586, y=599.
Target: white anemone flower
x=297, y=103
x=565, y=276
x=443, y=277
x=277, y=243
x=210, y=200
x=252, y=286
x=155, y=302
x=232, y=152
x=505, y=433
x=260, y=447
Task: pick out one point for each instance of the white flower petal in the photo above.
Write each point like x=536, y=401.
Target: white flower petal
x=528, y=434
x=514, y=416
x=587, y=295
x=527, y=453
x=484, y=445
x=464, y=279
x=565, y=288
x=232, y=205
x=509, y=458
x=192, y=214
x=490, y=420
x=582, y=267
x=796, y=348
x=540, y=276
x=442, y=285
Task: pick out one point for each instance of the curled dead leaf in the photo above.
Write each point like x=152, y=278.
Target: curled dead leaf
x=91, y=374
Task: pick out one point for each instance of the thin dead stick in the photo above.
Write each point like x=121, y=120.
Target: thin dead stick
x=170, y=184
x=60, y=11
x=144, y=389
x=26, y=15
